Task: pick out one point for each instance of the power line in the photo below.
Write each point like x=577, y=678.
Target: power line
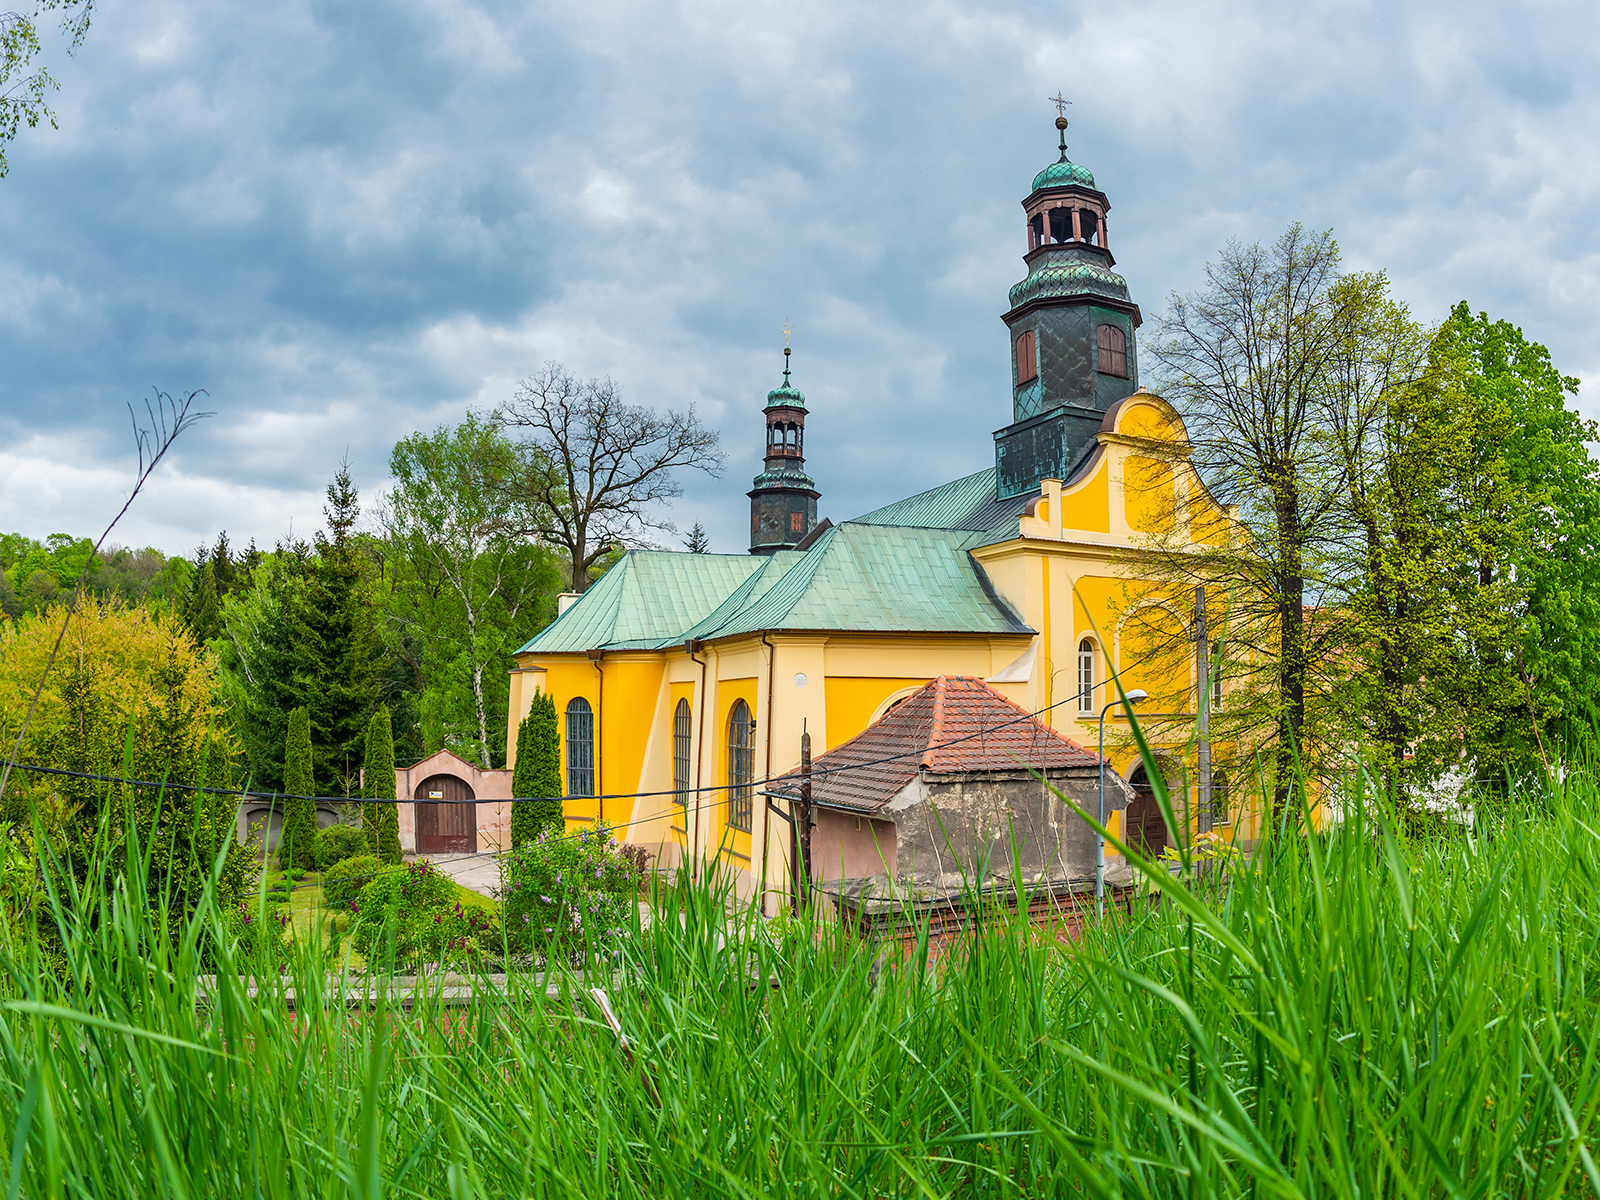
x=273, y=797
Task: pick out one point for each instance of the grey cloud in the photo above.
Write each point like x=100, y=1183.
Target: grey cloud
x=352, y=221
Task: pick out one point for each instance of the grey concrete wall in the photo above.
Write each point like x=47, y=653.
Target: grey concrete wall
x=974, y=827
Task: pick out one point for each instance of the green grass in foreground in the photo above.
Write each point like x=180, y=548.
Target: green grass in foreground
x=1352, y=1018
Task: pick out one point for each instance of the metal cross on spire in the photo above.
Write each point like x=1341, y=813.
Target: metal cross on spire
x=1061, y=103
x=787, y=330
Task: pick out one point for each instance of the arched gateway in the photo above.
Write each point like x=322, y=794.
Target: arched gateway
x=447, y=823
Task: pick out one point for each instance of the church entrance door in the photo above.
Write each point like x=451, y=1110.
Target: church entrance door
x=447, y=825
x=1144, y=825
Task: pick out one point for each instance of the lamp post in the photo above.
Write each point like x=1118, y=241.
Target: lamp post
x=1133, y=697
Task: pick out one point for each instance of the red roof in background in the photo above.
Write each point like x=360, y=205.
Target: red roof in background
x=955, y=724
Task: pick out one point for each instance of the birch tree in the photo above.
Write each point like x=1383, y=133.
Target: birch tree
x=465, y=587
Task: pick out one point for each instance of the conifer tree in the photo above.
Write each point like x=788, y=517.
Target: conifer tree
x=335, y=636
x=381, y=822
x=537, y=773
x=299, y=811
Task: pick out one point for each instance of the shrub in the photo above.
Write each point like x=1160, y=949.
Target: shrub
x=259, y=932
x=565, y=886
x=337, y=843
x=299, y=810
x=537, y=773
x=343, y=881
x=381, y=822
x=421, y=908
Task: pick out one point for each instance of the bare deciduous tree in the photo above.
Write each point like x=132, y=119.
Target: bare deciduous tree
x=1249, y=361
x=595, y=468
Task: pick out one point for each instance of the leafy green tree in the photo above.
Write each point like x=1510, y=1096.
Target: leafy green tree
x=537, y=773
x=380, y=822
x=296, y=844
x=464, y=590
x=23, y=87
x=1540, y=556
x=129, y=695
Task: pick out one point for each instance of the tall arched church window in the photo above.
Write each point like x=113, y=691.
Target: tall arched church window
x=1027, y=358
x=680, y=752
x=1221, y=812
x=1113, y=346
x=580, y=748
x=741, y=766
x=1086, y=676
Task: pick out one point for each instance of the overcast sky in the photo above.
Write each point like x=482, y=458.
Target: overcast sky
x=351, y=221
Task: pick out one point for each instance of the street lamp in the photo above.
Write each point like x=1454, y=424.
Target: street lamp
x=1134, y=697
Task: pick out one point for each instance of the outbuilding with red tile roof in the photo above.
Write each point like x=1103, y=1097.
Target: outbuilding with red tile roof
x=954, y=786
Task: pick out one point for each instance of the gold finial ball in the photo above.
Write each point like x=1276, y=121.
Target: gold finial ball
x=1061, y=122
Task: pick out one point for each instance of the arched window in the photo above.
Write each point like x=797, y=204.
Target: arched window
x=1027, y=358
x=1086, y=676
x=1113, y=346
x=1061, y=224
x=580, y=748
x=1221, y=812
x=1088, y=225
x=680, y=752
x=741, y=766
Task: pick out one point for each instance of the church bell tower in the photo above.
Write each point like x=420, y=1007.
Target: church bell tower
x=1072, y=327
x=783, y=504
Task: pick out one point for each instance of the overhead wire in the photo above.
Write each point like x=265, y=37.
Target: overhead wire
x=273, y=797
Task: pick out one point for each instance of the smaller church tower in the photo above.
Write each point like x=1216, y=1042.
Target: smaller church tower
x=783, y=504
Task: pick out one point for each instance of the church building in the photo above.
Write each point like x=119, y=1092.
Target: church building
x=686, y=680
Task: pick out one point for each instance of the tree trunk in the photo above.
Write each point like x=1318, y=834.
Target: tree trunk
x=580, y=550
x=1291, y=647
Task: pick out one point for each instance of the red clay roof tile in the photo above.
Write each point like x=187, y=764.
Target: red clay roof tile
x=955, y=724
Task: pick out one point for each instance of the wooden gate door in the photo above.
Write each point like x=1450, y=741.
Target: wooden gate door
x=1145, y=827
x=446, y=826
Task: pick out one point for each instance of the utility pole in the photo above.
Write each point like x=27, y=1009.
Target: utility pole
x=1202, y=731
x=803, y=886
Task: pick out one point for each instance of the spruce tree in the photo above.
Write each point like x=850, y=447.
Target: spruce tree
x=381, y=822
x=299, y=810
x=335, y=637
x=537, y=773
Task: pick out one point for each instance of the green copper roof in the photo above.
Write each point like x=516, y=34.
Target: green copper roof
x=785, y=478
x=855, y=578
x=952, y=505
x=874, y=579
x=1054, y=277
x=786, y=397
x=1063, y=174
x=646, y=600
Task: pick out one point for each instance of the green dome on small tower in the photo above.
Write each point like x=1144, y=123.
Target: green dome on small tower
x=786, y=397
x=1063, y=174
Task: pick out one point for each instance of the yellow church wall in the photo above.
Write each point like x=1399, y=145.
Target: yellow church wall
x=853, y=700
x=1149, y=494
x=1086, y=505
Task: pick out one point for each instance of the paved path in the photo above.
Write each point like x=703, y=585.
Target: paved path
x=476, y=872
